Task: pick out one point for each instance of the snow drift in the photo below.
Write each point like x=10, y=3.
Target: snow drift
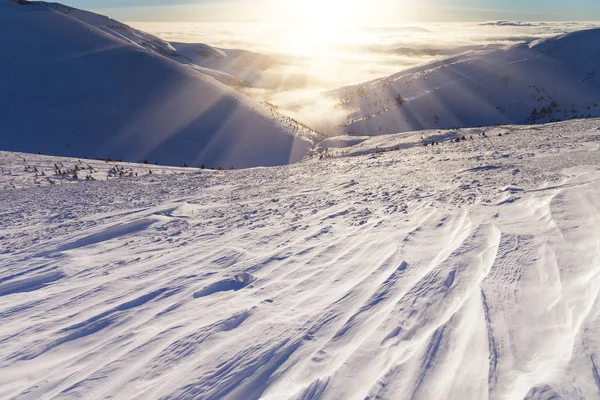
x=465, y=270
x=71, y=88
x=542, y=81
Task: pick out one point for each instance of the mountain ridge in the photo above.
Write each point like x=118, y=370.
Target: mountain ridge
x=82, y=99
x=555, y=76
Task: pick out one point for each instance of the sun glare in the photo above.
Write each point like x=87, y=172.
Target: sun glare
x=334, y=12
x=320, y=23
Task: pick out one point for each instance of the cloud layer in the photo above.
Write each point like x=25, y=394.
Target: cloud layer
x=313, y=62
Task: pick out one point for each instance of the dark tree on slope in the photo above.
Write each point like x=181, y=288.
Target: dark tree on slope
x=399, y=100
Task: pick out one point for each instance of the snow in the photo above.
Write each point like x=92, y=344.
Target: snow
x=464, y=270
x=72, y=93
x=236, y=68
x=118, y=30
x=37, y=170
x=449, y=262
x=482, y=87
x=247, y=66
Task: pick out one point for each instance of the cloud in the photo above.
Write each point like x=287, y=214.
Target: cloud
x=307, y=67
x=342, y=56
x=511, y=23
x=316, y=110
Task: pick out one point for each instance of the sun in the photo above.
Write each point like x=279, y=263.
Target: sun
x=323, y=27
x=316, y=23
x=334, y=12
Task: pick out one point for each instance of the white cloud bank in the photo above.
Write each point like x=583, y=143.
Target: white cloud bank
x=315, y=60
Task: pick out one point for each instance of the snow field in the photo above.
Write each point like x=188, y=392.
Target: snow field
x=464, y=270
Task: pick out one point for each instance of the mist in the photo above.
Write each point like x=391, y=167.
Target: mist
x=308, y=64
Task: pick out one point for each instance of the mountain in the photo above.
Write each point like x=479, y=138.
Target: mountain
x=541, y=81
x=237, y=68
x=77, y=84
x=245, y=65
x=466, y=270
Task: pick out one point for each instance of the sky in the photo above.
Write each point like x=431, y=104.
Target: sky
x=352, y=11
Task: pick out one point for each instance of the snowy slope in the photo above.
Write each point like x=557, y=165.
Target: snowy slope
x=75, y=90
x=236, y=68
x=22, y=170
x=556, y=77
x=462, y=270
x=245, y=65
x=118, y=30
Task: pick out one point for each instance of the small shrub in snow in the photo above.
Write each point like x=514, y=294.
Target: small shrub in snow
x=399, y=100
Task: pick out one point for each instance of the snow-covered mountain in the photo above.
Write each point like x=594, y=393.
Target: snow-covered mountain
x=464, y=270
x=541, y=81
x=79, y=84
x=113, y=28
x=246, y=66
x=237, y=68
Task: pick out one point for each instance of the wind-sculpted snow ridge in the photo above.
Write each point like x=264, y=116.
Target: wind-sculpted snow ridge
x=464, y=270
x=73, y=93
x=547, y=80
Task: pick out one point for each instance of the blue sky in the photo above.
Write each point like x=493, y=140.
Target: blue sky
x=387, y=10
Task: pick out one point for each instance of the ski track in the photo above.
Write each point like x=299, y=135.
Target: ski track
x=426, y=273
